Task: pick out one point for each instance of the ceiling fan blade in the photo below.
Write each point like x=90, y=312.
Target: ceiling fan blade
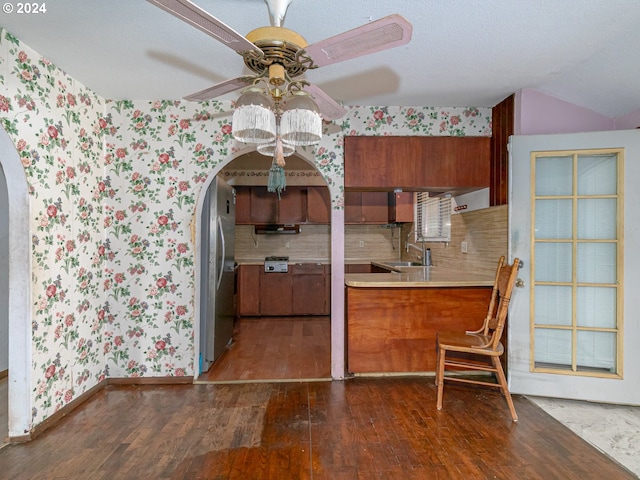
x=202, y=20
x=329, y=108
x=387, y=32
x=220, y=89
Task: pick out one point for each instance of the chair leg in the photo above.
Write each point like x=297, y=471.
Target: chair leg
x=504, y=387
x=437, y=360
x=440, y=376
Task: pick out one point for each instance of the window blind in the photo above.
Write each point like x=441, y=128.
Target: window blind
x=433, y=218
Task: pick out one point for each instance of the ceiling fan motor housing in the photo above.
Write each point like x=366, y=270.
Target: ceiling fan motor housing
x=280, y=46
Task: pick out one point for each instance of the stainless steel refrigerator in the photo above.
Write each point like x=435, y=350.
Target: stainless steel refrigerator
x=218, y=271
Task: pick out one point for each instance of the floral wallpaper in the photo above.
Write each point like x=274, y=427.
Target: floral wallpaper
x=113, y=187
x=54, y=123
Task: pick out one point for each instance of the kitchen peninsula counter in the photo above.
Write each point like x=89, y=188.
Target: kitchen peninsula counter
x=392, y=318
x=419, y=277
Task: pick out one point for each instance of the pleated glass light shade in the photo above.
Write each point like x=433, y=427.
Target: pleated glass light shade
x=300, y=123
x=254, y=120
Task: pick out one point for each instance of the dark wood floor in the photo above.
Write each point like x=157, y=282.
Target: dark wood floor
x=384, y=428
x=275, y=348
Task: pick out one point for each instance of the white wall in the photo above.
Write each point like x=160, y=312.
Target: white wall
x=4, y=273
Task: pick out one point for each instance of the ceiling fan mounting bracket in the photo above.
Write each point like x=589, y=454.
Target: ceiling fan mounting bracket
x=280, y=46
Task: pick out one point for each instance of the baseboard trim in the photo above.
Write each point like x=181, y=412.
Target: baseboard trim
x=150, y=381
x=52, y=420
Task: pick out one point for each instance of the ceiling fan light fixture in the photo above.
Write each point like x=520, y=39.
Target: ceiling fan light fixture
x=269, y=149
x=301, y=123
x=254, y=120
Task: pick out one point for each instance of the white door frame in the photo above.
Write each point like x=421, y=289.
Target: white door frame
x=521, y=379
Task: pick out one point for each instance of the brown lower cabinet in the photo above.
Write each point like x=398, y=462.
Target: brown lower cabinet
x=249, y=289
x=309, y=282
x=303, y=290
x=276, y=293
x=393, y=330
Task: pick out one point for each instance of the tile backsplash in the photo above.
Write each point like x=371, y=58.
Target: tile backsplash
x=486, y=233
x=362, y=242
x=312, y=243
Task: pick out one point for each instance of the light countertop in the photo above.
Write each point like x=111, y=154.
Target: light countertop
x=291, y=261
x=419, y=277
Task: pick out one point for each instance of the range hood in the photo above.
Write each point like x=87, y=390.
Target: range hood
x=274, y=228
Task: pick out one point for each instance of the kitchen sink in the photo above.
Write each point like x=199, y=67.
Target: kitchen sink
x=404, y=264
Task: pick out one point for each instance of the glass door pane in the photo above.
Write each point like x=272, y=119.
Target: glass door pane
x=575, y=255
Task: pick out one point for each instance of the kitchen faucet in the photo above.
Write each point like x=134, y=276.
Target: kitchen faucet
x=426, y=252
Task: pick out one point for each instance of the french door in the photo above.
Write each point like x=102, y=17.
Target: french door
x=574, y=325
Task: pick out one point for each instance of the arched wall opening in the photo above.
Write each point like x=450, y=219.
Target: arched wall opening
x=19, y=309
x=336, y=259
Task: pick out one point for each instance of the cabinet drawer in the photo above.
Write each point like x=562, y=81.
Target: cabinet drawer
x=307, y=269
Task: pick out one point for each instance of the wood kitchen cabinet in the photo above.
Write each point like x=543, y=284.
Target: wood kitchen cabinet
x=249, y=289
x=393, y=330
x=307, y=205
x=318, y=205
x=276, y=293
x=243, y=206
x=439, y=164
x=264, y=206
x=304, y=290
x=366, y=207
x=401, y=207
x=357, y=268
x=308, y=284
x=289, y=208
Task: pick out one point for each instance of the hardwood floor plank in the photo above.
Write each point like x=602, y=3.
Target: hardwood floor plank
x=275, y=348
x=362, y=428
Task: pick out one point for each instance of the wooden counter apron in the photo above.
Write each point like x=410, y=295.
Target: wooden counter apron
x=392, y=319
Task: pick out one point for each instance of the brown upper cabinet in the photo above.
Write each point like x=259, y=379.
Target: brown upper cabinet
x=243, y=205
x=401, y=207
x=437, y=164
x=318, y=205
x=366, y=207
x=377, y=207
x=307, y=205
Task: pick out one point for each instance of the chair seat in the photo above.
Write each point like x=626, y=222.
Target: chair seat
x=468, y=343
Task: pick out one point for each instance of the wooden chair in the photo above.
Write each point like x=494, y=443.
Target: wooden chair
x=473, y=350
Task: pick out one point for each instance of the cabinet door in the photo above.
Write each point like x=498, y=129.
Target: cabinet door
x=264, y=206
x=375, y=207
x=249, y=289
x=292, y=206
x=401, y=207
x=380, y=162
x=275, y=293
x=366, y=207
x=454, y=164
x=309, y=292
x=352, y=207
x=357, y=268
x=318, y=205
x=243, y=205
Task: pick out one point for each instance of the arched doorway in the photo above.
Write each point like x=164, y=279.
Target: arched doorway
x=19, y=288
x=249, y=170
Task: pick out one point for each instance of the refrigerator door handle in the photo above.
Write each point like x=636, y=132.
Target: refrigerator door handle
x=222, y=257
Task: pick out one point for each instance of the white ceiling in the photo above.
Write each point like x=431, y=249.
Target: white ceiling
x=463, y=52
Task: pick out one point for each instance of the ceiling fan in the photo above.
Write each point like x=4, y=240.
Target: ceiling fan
x=280, y=56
